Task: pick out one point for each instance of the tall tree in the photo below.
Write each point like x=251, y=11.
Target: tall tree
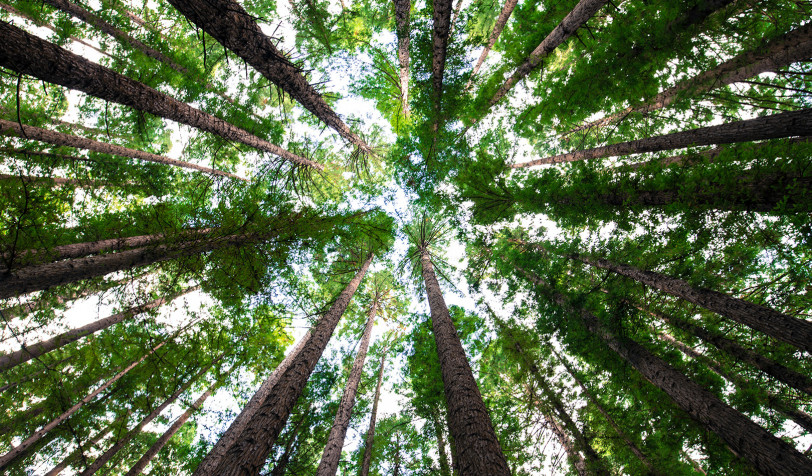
x=403, y=10
x=501, y=21
x=369, y=440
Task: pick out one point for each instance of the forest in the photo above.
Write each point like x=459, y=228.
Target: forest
x=405, y=238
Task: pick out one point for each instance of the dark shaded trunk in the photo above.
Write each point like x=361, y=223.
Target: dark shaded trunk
x=768, y=398
x=282, y=465
x=442, y=23
x=232, y=434
x=776, y=126
x=335, y=441
x=501, y=21
x=579, y=15
x=768, y=454
x=27, y=54
x=445, y=470
x=370, y=438
x=403, y=10
x=33, y=351
x=469, y=423
x=573, y=456
x=452, y=449
x=777, y=53
x=68, y=460
x=39, y=277
x=59, y=139
x=20, y=450
x=772, y=368
x=786, y=328
x=227, y=22
x=622, y=434
x=247, y=455
x=34, y=375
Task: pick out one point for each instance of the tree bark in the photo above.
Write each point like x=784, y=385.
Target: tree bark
x=469, y=424
x=370, y=438
x=27, y=54
x=579, y=15
x=791, y=330
x=622, y=434
x=575, y=458
x=768, y=454
x=18, y=451
x=59, y=139
x=124, y=440
x=501, y=21
x=772, y=368
x=232, y=434
x=785, y=124
x=68, y=460
x=26, y=353
x=248, y=453
x=403, y=10
x=442, y=24
x=772, y=400
x=53, y=181
x=777, y=53
x=335, y=442
x=227, y=22
x=280, y=467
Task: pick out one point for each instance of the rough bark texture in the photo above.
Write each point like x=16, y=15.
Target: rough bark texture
x=370, y=438
x=442, y=22
x=574, y=20
x=13, y=129
x=403, y=10
x=210, y=462
x=38, y=435
x=622, y=434
x=785, y=124
x=156, y=447
x=98, y=22
x=769, y=399
x=501, y=21
x=27, y=54
x=335, y=442
x=33, y=351
x=768, y=454
x=234, y=28
x=469, y=423
x=763, y=319
x=247, y=455
x=36, y=278
x=776, y=54
x=125, y=439
x=772, y=368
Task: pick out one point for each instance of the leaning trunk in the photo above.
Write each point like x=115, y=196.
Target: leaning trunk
x=442, y=22
x=67, y=461
x=469, y=424
x=776, y=126
x=248, y=453
x=335, y=442
x=768, y=454
x=370, y=438
x=26, y=353
x=402, y=11
x=27, y=54
x=501, y=21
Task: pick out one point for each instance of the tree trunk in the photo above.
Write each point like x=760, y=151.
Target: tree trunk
x=80, y=250
x=248, y=453
x=27, y=54
x=28, y=414
x=335, y=442
x=791, y=330
x=777, y=53
x=442, y=22
x=768, y=399
x=768, y=454
x=776, y=126
x=579, y=15
x=452, y=449
x=370, y=438
x=622, y=434
x=575, y=458
x=280, y=467
x=772, y=368
x=124, y=440
x=26, y=353
x=68, y=460
x=92, y=19
x=18, y=451
x=34, y=375
x=232, y=434
x=51, y=181
x=59, y=139
x=36, y=278
x=442, y=456
x=234, y=28
x=501, y=21
x=403, y=10
x=469, y=424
